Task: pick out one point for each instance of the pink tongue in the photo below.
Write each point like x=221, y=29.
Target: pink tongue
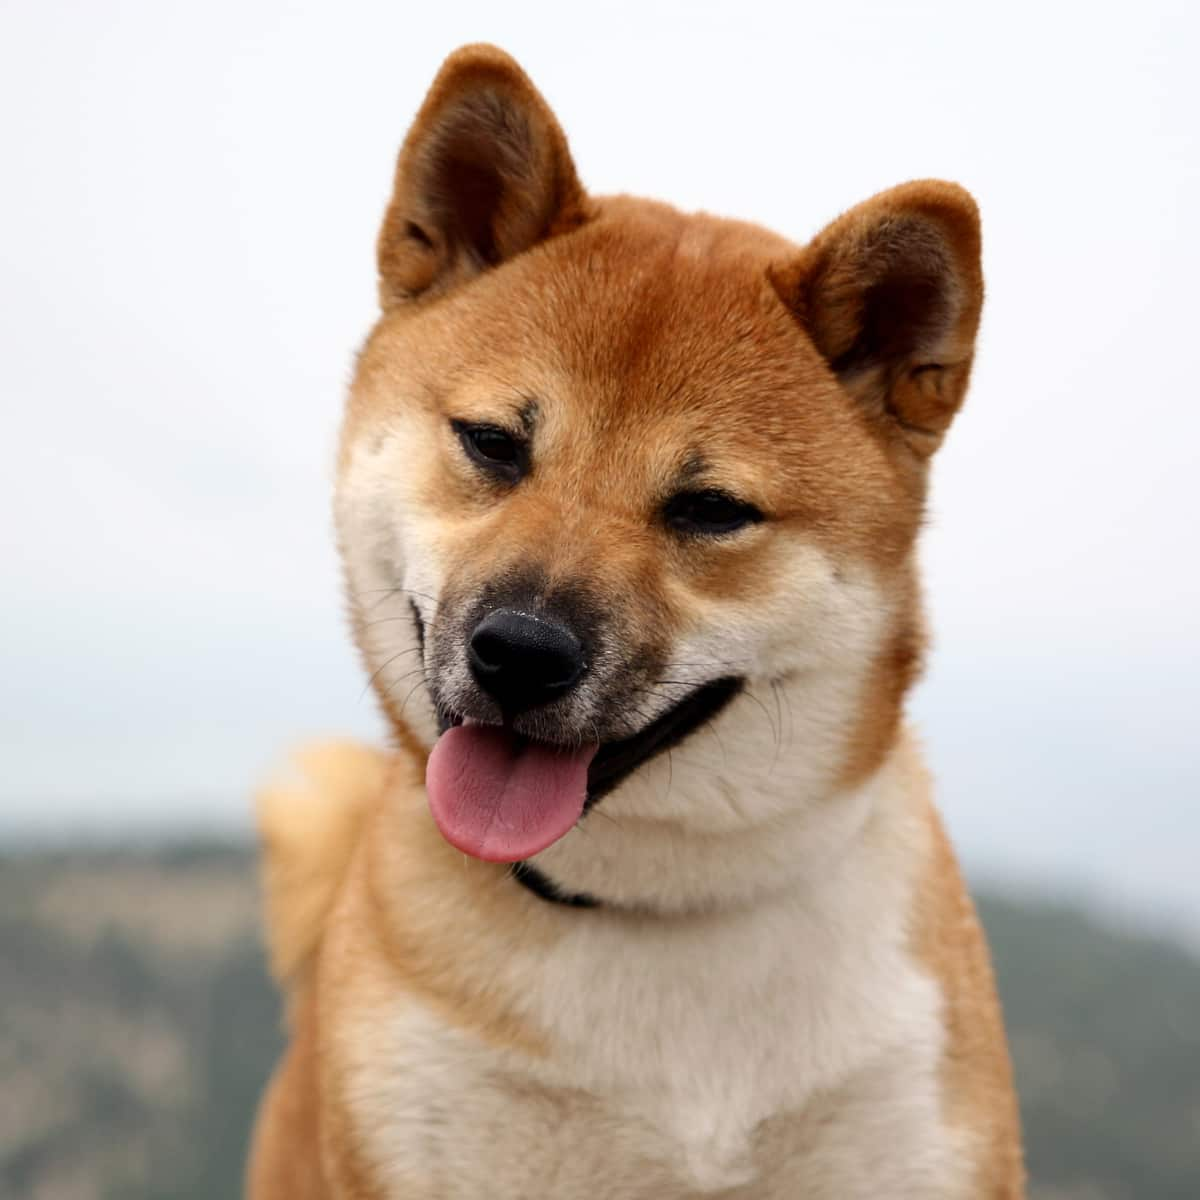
x=502, y=800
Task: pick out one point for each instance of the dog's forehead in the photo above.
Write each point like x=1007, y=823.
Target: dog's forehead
x=687, y=296
x=653, y=333
x=653, y=319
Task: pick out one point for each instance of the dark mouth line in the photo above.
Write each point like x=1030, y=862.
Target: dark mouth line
x=616, y=761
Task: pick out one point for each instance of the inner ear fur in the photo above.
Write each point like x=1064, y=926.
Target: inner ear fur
x=890, y=294
x=483, y=174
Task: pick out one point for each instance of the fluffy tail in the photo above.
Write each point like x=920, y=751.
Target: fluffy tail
x=309, y=820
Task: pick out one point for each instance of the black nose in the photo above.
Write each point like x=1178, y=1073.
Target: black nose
x=523, y=661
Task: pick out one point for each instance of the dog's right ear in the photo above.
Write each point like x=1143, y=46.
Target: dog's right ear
x=484, y=174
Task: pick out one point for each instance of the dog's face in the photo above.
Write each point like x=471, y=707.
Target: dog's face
x=606, y=466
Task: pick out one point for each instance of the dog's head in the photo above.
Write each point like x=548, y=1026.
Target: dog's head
x=606, y=466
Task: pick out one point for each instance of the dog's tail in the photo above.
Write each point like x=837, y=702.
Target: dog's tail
x=309, y=819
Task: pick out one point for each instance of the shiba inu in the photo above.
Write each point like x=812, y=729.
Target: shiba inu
x=649, y=900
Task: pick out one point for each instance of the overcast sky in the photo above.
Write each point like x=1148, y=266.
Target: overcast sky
x=190, y=196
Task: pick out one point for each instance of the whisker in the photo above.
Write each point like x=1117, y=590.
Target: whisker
x=411, y=694
x=710, y=662
x=388, y=592
x=711, y=726
x=783, y=699
x=749, y=693
x=597, y=810
x=407, y=675
x=384, y=620
x=380, y=669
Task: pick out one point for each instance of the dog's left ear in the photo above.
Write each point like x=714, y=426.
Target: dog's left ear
x=484, y=174
x=890, y=294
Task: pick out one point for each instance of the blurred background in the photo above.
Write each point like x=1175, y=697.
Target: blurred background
x=189, y=201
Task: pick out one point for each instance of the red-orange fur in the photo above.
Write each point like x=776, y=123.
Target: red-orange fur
x=823, y=423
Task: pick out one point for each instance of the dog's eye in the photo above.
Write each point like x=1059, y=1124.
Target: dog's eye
x=492, y=448
x=709, y=513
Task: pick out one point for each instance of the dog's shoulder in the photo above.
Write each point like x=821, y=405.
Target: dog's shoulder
x=310, y=817
x=976, y=1075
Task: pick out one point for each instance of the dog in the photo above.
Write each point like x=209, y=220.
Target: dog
x=649, y=899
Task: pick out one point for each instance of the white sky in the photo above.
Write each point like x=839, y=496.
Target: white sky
x=189, y=200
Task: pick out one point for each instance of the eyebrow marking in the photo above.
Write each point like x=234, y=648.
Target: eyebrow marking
x=528, y=415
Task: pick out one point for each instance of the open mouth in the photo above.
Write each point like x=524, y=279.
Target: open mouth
x=498, y=795
x=615, y=761
x=502, y=797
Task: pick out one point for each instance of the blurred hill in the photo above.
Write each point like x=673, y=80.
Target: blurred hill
x=137, y=1028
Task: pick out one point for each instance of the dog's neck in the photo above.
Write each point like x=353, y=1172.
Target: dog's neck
x=742, y=809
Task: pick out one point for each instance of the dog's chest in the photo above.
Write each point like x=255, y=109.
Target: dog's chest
x=679, y=1066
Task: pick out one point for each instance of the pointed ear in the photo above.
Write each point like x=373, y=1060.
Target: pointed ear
x=483, y=175
x=890, y=294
